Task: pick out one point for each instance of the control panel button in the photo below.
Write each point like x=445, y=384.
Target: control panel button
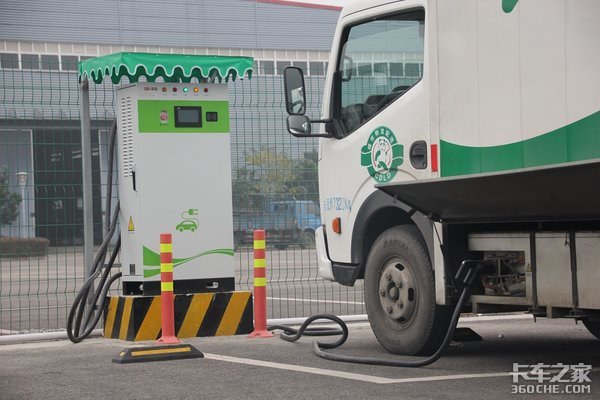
x=212, y=116
x=164, y=117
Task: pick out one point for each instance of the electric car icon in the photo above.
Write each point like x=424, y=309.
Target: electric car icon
x=187, y=225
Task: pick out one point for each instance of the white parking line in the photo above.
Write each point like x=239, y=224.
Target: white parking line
x=315, y=300
x=349, y=375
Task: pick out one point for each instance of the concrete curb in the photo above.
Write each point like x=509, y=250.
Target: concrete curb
x=34, y=337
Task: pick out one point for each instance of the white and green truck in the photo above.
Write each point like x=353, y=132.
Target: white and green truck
x=460, y=130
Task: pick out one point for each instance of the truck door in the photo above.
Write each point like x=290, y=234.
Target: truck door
x=378, y=102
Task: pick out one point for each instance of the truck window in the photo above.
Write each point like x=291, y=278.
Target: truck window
x=280, y=207
x=381, y=54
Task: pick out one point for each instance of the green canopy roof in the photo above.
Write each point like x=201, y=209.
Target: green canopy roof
x=170, y=67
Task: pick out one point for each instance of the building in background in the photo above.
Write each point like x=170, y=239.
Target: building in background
x=41, y=43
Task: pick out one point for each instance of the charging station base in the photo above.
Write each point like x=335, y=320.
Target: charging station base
x=137, y=318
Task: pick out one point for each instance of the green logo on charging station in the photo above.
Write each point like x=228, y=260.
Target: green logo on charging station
x=382, y=155
x=189, y=221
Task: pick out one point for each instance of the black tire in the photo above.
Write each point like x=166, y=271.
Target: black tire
x=307, y=240
x=400, y=294
x=593, y=327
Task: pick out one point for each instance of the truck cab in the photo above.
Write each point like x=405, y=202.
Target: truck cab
x=306, y=217
x=308, y=220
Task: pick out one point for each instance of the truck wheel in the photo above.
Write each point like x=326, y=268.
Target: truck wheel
x=593, y=327
x=307, y=240
x=400, y=294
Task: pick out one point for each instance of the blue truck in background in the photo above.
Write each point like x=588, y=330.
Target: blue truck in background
x=286, y=222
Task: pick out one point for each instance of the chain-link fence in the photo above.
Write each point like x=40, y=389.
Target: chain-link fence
x=41, y=206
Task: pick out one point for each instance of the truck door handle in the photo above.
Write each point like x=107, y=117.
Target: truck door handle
x=418, y=154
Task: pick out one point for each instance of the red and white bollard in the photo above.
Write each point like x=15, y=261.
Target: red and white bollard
x=166, y=291
x=172, y=348
x=260, y=286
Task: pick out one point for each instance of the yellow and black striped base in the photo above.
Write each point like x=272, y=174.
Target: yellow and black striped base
x=205, y=314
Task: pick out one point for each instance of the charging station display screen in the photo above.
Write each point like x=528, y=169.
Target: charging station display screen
x=188, y=117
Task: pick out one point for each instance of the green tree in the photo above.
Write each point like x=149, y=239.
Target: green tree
x=304, y=183
x=9, y=201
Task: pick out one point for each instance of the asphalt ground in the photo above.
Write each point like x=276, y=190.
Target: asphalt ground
x=242, y=368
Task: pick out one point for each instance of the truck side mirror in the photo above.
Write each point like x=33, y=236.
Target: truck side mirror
x=295, y=97
x=299, y=125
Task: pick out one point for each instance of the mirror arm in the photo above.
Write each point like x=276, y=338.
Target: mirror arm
x=323, y=135
x=315, y=121
x=322, y=121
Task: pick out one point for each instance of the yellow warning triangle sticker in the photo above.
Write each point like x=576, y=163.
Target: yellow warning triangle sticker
x=130, y=227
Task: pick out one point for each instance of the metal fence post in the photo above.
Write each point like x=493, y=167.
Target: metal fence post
x=86, y=166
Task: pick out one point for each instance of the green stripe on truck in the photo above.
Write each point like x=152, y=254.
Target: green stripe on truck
x=575, y=142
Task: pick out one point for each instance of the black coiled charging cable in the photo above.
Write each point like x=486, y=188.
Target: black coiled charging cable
x=466, y=275
x=87, y=310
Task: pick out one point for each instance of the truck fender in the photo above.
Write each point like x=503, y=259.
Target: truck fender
x=378, y=213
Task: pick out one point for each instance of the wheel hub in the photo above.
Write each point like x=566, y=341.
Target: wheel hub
x=397, y=291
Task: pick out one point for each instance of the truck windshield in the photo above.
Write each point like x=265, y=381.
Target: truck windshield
x=380, y=60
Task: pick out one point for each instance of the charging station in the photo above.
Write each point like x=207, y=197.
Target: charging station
x=175, y=176
x=174, y=162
